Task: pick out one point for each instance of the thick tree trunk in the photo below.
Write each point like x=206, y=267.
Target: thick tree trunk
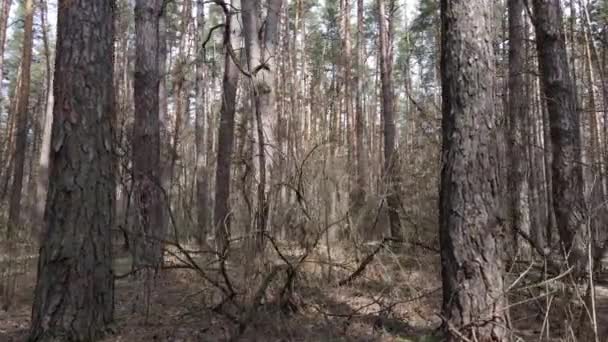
x=518, y=111
x=390, y=157
x=75, y=288
x=225, y=139
x=471, y=221
x=148, y=228
x=567, y=172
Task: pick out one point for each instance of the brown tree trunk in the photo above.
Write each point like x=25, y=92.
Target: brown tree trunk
x=390, y=157
x=148, y=228
x=567, y=172
x=225, y=139
x=21, y=112
x=518, y=109
x=21, y=117
x=474, y=305
x=75, y=289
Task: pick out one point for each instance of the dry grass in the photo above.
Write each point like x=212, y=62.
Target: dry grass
x=396, y=298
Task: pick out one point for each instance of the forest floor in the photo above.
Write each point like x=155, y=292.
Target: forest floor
x=396, y=298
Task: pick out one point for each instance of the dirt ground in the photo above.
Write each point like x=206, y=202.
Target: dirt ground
x=390, y=302
x=396, y=299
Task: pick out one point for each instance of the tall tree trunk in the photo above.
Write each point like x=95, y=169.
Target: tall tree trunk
x=518, y=109
x=21, y=117
x=261, y=53
x=470, y=216
x=202, y=183
x=21, y=112
x=360, y=165
x=568, y=199
x=388, y=108
x=148, y=228
x=225, y=139
x=47, y=126
x=74, y=292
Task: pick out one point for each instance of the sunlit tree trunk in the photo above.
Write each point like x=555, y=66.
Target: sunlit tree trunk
x=47, y=125
x=474, y=305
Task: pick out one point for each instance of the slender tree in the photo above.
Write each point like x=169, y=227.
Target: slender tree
x=148, y=228
x=388, y=116
x=75, y=287
x=225, y=139
x=202, y=183
x=474, y=305
x=517, y=111
x=21, y=112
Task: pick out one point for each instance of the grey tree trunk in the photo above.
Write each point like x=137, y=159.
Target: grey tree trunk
x=471, y=221
x=73, y=300
x=202, y=183
x=518, y=111
x=47, y=126
x=567, y=172
x=261, y=53
x=225, y=139
x=148, y=228
x=360, y=152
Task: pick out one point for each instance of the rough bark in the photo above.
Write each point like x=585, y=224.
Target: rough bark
x=471, y=218
x=567, y=172
x=148, y=228
x=73, y=299
x=388, y=116
x=225, y=139
x=517, y=111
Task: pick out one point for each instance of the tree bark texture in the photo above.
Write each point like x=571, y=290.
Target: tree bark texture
x=564, y=127
x=74, y=293
x=471, y=218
